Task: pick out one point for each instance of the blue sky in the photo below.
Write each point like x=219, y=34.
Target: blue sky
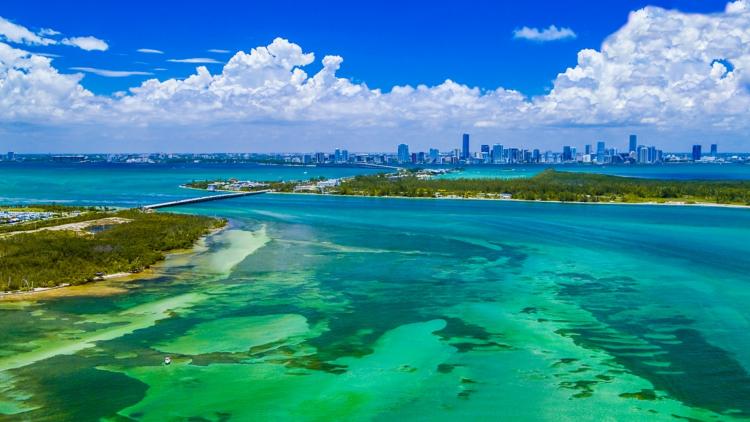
x=384, y=43
x=318, y=75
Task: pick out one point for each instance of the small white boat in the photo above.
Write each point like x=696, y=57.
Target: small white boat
x=167, y=360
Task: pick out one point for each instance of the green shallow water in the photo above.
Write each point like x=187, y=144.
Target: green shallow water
x=324, y=308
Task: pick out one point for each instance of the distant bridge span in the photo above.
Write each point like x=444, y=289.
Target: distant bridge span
x=203, y=199
x=378, y=166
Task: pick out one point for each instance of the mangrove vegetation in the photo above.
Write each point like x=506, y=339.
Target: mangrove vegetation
x=551, y=185
x=134, y=241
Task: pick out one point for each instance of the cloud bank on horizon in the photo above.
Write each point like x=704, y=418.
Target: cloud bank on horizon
x=663, y=72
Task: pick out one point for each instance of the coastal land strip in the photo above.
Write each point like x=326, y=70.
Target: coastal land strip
x=40, y=258
x=548, y=186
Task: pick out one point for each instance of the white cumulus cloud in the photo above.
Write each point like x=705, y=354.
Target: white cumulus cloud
x=18, y=34
x=48, y=32
x=668, y=73
x=31, y=90
x=661, y=68
x=551, y=33
x=86, y=43
x=739, y=6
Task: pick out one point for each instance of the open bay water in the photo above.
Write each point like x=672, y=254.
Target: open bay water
x=132, y=185
x=344, y=308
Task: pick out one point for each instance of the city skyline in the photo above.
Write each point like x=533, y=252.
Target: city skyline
x=486, y=154
x=496, y=153
x=69, y=85
x=631, y=143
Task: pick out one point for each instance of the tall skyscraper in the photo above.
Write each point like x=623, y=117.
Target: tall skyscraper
x=633, y=143
x=403, y=153
x=485, y=149
x=497, y=153
x=337, y=155
x=714, y=150
x=526, y=156
x=513, y=155
x=587, y=149
x=567, y=153
x=465, y=154
x=643, y=155
x=434, y=155
x=600, y=151
x=696, y=152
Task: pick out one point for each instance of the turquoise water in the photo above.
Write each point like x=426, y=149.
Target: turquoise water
x=675, y=171
x=136, y=184
x=342, y=308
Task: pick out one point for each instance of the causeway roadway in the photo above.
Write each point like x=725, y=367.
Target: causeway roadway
x=203, y=199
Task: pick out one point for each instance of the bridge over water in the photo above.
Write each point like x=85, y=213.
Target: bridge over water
x=203, y=199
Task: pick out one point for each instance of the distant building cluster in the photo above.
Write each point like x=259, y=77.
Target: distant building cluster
x=15, y=217
x=317, y=186
x=599, y=153
x=235, y=185
x=596, y=153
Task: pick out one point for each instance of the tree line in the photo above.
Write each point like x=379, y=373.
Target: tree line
x=48, y=258
x=551, y=185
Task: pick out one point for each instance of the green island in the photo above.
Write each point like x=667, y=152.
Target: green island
x=78, y=245
x=549, y=185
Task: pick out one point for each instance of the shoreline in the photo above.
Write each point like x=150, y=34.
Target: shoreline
x=96, y=284
x=536, y=201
